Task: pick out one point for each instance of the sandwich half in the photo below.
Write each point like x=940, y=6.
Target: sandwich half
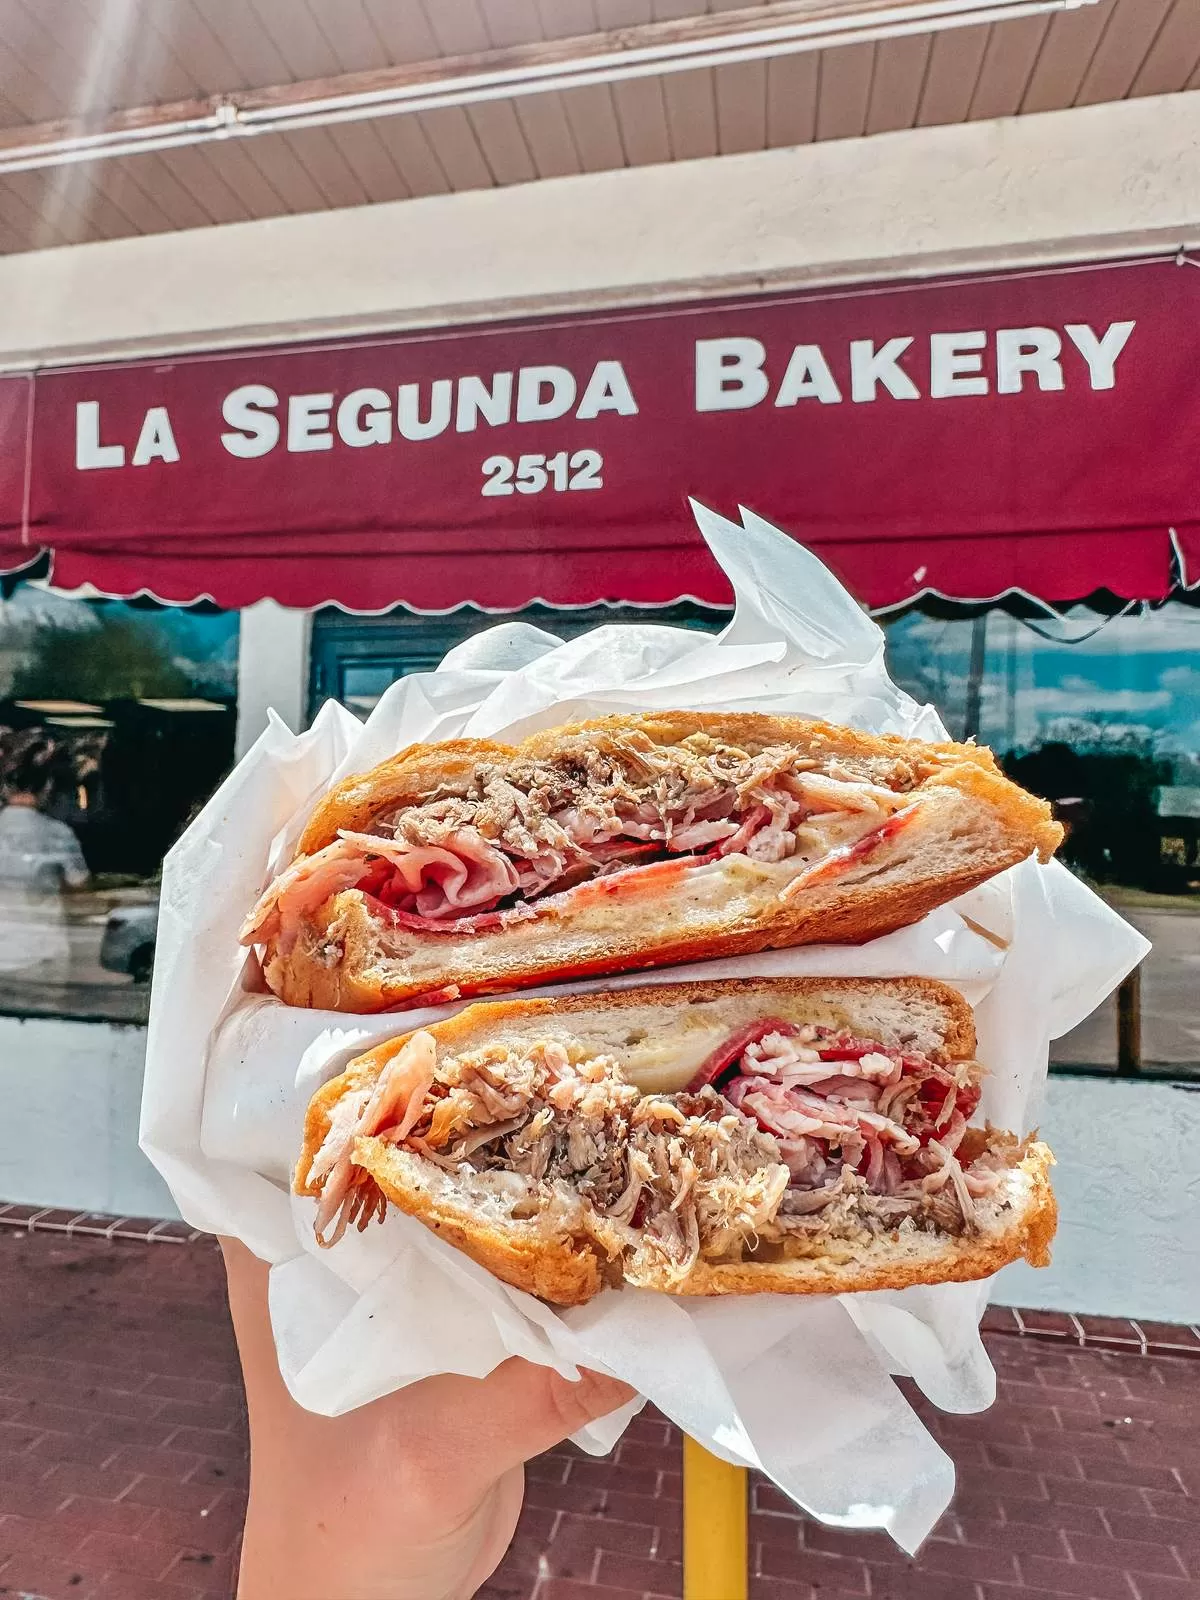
x=633, y=841
x=796, y=1136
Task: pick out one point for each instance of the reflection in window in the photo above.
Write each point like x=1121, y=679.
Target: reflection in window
x=116, y=722
x=40, y=858
x=363, y=684
x=1103, y=718
x=354, y=659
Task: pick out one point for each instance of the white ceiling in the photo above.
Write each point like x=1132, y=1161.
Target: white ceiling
x=66, y=59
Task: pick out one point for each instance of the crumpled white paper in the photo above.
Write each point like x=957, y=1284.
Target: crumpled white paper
x=799, y=1387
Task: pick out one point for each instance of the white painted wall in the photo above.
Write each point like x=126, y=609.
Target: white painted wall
x=1128, y=1242
x=1084, y=184
x=71, y=1093
x=273, y=647
x=1128, y=1185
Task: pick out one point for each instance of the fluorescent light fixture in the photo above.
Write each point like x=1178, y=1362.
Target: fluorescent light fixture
x=721, y=39
x=59, y=707
x=183, y=705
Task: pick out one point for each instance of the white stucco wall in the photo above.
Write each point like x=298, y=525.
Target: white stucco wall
x=1128, y=1242
x=71, y=1092
x=1085, y=184
x=1128, y=1185
x=273, y=651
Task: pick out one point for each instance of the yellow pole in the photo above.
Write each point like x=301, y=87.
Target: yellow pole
x=716, y=1561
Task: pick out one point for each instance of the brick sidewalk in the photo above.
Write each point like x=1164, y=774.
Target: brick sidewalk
x=122, y=1464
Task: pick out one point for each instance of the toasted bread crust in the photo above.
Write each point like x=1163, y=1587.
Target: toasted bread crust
x=566, y=1271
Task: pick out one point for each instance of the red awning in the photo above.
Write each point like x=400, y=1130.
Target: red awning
x=16, y=414
x=1032, y=431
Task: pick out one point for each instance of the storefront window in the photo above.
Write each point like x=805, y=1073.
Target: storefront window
x=1101, y=716
x=354, y=659
x=116, y=722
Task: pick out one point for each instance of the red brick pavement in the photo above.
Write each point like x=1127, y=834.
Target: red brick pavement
x=123, y=1463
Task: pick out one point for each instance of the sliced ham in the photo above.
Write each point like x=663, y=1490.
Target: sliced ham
x=300, y=890
x=429, y=880
x=795, y=1110
x=628, y=881
x=398, y=1098
x=837, y=1103
x=587, y=828
x=757, y=817
x=462, y=873
x=844, y=1087
x=734, y=1048
x=695, y=835
x=631, y=850
x=396, y=918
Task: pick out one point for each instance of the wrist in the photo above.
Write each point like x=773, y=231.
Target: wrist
x=324, y=1548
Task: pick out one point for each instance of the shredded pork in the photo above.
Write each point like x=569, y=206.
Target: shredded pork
x=810, y=1135
x=683, y=1173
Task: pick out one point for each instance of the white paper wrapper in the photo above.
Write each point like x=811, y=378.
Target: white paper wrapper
x=797, y=1386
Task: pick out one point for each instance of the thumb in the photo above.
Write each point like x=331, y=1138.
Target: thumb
x=521, y=1409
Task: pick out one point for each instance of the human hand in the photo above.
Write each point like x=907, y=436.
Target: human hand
x=413, y=1497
